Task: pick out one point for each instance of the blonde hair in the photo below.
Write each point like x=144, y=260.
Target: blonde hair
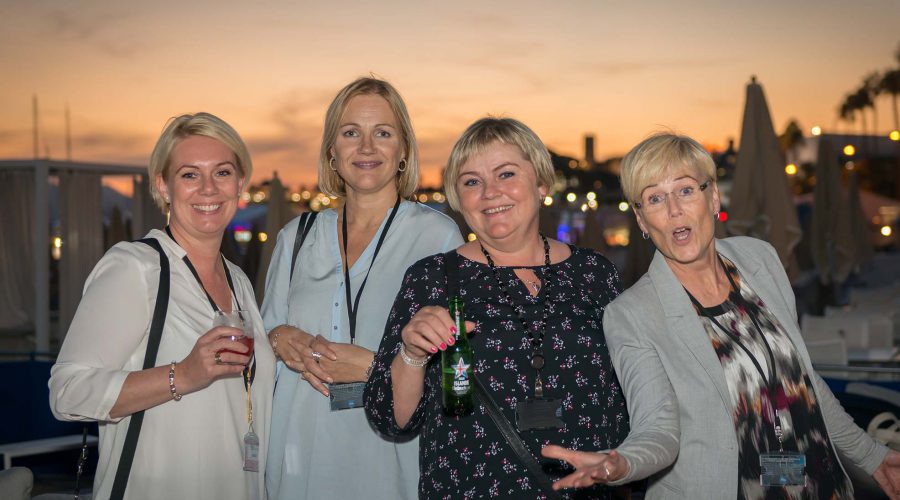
x=661, y=154
x=181, y=127
x=487, y=131
x=329, y=181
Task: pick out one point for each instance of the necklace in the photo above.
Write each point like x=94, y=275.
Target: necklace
x=537, y=342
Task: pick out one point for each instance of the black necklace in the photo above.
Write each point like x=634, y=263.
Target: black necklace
x=537, y=342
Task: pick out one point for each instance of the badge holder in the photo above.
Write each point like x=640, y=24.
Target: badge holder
x=346, y=396
x=251, y=440
x=539, y=413
x=782, y=468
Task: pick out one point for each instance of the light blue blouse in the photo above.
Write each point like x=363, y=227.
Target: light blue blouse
x=315, y=453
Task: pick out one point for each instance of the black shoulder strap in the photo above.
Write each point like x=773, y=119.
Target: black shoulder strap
x=451, y=271
x=306, y=223
x=156, y=328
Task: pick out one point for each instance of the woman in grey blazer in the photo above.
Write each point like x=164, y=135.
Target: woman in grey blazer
x=718, y=318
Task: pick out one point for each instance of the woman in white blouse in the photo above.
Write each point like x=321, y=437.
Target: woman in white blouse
x=195, y=429
x=323, y=446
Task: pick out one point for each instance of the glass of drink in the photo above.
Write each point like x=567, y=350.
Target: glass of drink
x=240, y=320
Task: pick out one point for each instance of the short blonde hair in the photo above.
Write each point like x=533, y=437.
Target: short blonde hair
x=329, y=181
x=181, y=127
x=487, y=131
x=659, y=155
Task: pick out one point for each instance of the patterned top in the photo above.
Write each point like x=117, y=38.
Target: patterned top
x=798, y=411
x=467, y=457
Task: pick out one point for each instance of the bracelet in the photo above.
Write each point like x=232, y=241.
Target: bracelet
x=175, y=395
x=410, y=360
x=275, y=340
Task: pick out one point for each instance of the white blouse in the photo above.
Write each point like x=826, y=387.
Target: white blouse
x=191, y=448
x=316, y=453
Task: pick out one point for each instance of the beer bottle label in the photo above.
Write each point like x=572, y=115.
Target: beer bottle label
x=461, y=382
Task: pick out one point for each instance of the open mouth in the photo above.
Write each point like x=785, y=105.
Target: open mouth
x=681, y=233
x=207, y=208
x=366, y=164
x=497, y=210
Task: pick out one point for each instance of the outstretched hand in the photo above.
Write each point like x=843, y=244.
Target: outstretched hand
x=888, y=475
x=591, y=467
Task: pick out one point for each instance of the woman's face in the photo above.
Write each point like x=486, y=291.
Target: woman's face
x=678, y=215
x=368, y=149
x=202, y=185
x=498, y=193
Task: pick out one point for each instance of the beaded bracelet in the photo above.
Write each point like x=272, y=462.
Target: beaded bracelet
x=410, y=360
x=175, y=395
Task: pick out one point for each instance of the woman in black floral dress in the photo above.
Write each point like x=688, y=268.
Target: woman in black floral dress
x=513, y=280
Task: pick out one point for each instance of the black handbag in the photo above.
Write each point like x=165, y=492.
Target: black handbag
x=137, y=419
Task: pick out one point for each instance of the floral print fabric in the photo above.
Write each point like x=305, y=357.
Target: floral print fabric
x=467, y=457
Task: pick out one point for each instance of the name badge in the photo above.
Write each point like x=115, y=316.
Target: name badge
x=251, y=452
x=782, y=469
x=539, y=413
x=346, y=396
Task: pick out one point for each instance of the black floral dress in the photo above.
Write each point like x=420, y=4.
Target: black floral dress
x=798, y=410
x=467, y=457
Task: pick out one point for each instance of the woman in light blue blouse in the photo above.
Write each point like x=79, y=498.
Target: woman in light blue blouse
x=324, y=332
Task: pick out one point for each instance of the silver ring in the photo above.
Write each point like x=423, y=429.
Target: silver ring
x=606, y=468
x=317, y=355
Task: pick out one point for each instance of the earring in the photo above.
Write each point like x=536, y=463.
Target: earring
x=402, y=166
x=645, y=235
x=331, y=164
x=167, y=198
x=716, y=216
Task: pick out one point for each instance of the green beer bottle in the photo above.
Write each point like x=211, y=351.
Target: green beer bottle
x=456, y=367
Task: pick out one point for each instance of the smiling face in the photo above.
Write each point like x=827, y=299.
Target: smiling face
x=202, y=185
x=368, y=149
x=499, y=195
x=681, y=225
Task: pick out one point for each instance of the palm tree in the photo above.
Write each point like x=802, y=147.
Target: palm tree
x=847, y=110
x=871, y=89
x=890, y=84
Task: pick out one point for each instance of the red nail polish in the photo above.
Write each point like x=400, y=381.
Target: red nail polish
x=433, y=349
x=451, y=341
x=453, y=330
x=443, y=346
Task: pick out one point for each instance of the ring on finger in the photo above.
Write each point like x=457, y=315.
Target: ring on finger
x=218, y=357
x=606, y=468
x=317, y=355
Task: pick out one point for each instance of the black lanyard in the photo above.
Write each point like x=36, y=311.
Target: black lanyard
x=537, y=343
x=249, y=373
x=353, y=307
x=770, y=379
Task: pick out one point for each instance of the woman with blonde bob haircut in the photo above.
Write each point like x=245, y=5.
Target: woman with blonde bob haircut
x=717, y=319
x=193, y=406
x=538, y=305
x=325, y=311
x=199, y=124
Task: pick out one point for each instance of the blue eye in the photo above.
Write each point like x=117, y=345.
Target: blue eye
x=686, y=191
x=655, y=199
x=470, y=182
x=189, y=175
x=507, y=174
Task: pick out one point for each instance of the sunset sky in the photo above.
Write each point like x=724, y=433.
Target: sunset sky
x=618, y=70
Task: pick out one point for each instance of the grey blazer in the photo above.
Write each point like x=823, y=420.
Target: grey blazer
x=653, y=331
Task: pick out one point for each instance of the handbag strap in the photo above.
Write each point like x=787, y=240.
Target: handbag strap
x=306, y=223
x=156, y=328
x=451, y=268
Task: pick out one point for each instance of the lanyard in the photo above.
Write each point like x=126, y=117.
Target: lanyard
x=249, y=372
x=769, y=379
x=537, y=343
x=353, y=307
